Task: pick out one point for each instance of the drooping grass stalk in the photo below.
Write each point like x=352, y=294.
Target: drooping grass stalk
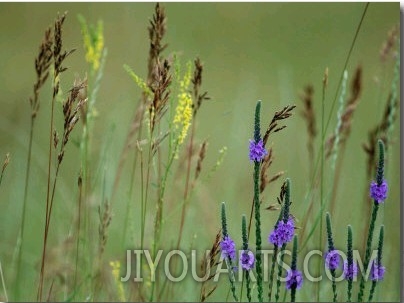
x=313, y=179
x=228, y=260
x=331, y=248
x=58, y=58
x=349, y=262
x=379, y=262
x=379, y=180
x=42, y=64
x=293, y=267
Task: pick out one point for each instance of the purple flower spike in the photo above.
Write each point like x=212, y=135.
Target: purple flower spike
x=350, y=272
x=228, y=248
x=378, y=192
x=283, y=233
x=294, y=279
x=247, y=259
x=257, y=151
x=332, y=259
x=377, y=272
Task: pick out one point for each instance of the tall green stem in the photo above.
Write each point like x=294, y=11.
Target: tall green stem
x=350, y=265
x=379, y=180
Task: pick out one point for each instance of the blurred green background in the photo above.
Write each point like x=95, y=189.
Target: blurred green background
x=266, y=51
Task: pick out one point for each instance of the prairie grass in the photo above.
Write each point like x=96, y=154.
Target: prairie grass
x=135, y=137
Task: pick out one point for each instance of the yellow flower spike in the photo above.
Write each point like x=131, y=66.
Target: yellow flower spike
x=93, y=40
x=139, y=81
x=183, y=112
x=116, y=268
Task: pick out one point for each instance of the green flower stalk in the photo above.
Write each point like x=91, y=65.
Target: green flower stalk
x=245, y=250
x=271, y=274
x=228, y=251
x=332, y=257
x=284, y=233
x=295, y=277
x=257, y=153
x=350, y=269
x=378, y=191
x=377, y=271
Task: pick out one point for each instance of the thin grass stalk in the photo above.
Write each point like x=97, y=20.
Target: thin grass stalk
x=3, y=283
x=56, y=83
x=24, y=207
x=6, y=162
x=325, y=81
x=48, y=192
x=42, y=64
x=337, y=132
x=186, y=188
x=80, y=186
x=85, y=149
x=58, y=57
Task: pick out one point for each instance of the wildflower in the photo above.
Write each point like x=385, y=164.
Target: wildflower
x=351, y=271
x=228, y=248
x=377, y=272
x=93, y=39
x=257, y=150
x=116, y=267
x=332, y=259
x=283, y=232
x=294, y=279
x=183, y=112
x=247, y=259
x=378, y=192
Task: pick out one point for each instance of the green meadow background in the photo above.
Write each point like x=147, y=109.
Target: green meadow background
x=261, y=51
